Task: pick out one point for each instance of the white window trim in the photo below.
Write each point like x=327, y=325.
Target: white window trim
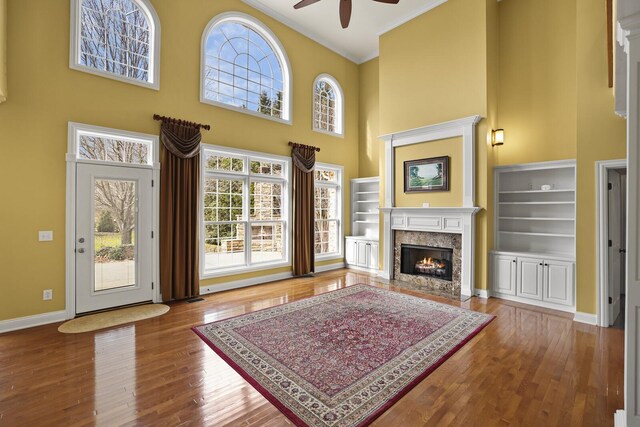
x=339, y=105
x=278, y=48
x=154, y=58
x=247, y=176
x=339, y=186
x=75, y=130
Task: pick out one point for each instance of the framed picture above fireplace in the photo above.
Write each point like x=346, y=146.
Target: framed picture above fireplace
x=426, y=175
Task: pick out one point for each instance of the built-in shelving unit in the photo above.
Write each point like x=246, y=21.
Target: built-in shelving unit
x=535, y=234
x=365, y=203
x=361, y=248
x=530, y=219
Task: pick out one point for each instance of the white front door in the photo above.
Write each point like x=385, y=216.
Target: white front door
x=113, y=246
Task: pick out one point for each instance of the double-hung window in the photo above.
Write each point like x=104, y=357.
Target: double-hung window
x=328, y=211
x=245, y=211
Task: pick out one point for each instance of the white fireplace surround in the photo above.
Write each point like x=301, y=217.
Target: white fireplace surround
x=459, y=220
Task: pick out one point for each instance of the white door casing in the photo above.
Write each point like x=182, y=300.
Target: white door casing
x=102, y=285
x=603, y=168
x=74, y=157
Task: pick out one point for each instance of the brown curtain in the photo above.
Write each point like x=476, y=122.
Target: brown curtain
x=304, y=160
x=179, y=192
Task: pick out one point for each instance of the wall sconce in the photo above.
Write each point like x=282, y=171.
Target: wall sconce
x=497, y=137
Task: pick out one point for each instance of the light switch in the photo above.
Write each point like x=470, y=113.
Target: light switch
x=45, y=236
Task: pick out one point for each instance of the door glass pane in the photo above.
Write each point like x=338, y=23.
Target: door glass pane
x=116, y=206
x=120, y=150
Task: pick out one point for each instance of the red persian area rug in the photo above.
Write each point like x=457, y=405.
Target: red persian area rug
x=344, y=357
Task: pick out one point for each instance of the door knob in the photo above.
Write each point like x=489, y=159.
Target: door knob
x=81, y=250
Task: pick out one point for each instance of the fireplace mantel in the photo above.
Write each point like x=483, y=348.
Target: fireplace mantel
x=438, y=220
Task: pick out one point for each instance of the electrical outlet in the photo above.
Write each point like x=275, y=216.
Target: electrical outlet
x=45, y=236
x=47, y=294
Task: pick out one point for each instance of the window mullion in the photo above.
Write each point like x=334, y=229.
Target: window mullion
x=246, y=206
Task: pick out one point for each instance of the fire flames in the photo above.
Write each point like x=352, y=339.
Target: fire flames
x=432, y=263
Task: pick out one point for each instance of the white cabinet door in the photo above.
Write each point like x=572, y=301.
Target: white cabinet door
x=351, y=251
x=362, y=258
x=504, y=274
x=530, y=278
x=558, y=282
x=373, y=256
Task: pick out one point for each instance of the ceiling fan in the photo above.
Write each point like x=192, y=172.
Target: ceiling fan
x=345, y=8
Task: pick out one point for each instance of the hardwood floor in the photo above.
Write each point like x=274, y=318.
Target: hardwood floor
x=529, y=366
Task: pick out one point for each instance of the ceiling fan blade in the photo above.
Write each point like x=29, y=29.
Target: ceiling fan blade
x=304, y=3
x=345, y=12
x=388, y=1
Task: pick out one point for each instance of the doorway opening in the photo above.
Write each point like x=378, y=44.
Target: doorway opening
x=112, y=218
x=611, y=221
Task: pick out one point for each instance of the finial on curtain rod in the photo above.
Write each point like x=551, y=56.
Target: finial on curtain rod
x=295, y=144
x=166, y=119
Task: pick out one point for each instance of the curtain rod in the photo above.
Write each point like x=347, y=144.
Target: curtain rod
x=166, y=119
x=295, y=144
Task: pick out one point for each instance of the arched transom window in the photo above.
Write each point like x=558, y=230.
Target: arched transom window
x=117, y=39
x=327, y=105
x=245, y=68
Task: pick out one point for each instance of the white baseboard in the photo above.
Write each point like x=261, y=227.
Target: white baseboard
x=237, y=284
x=619, y=418
x=212, y=289
x=588, y=318
x=368, y=270
x=482, y=293
x=31, y=321
x=329, y=267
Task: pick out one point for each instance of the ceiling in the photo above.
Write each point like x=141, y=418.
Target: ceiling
x=359, y=42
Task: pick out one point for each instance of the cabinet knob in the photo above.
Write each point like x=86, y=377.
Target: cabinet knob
x=541, y=264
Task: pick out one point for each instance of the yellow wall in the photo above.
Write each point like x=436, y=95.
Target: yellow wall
x=534, y=67
x=485, y=154
x=537, y=94
x=554, y=104
x=370, y=145
x=3, y=50
x=435, y=69
x=46, y=95
x=446, y=147
x=601, y=136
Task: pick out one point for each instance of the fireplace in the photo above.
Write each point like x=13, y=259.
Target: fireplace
x=427, y=261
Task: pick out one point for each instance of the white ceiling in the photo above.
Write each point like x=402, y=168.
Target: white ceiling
x=369, y=20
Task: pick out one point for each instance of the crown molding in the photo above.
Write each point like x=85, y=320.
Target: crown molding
x=431, y=4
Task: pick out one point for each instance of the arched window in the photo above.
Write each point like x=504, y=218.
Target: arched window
x=328, y=105
x=245, y=68
x=118, y=39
